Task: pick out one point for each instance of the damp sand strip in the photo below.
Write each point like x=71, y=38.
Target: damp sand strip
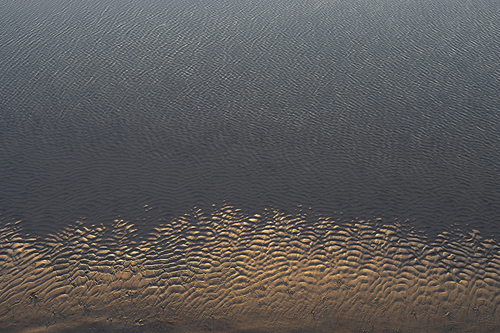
x=226, y=271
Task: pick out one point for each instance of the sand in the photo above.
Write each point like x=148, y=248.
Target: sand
x=225, y=271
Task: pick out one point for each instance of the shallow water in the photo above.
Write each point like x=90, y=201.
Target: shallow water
x=382, y=114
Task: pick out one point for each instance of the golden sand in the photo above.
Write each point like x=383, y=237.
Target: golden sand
x=225, y=271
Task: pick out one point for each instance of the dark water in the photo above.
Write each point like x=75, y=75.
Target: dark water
x=371, y=108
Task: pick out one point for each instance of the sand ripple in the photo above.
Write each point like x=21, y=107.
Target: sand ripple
x=227, y=271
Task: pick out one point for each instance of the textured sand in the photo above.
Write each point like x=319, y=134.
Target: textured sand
x=225, y=271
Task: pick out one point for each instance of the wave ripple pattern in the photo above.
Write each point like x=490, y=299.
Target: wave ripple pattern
x=226, y=271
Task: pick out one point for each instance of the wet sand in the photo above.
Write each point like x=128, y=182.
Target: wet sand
x=224, y=271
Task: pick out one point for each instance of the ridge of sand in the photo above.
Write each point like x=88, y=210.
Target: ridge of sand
x=226, y=271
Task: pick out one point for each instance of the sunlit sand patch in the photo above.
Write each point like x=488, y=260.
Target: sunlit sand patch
x=226, y=271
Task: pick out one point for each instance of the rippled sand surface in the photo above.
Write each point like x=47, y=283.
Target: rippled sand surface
x=226, y=271
x=271, y=117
